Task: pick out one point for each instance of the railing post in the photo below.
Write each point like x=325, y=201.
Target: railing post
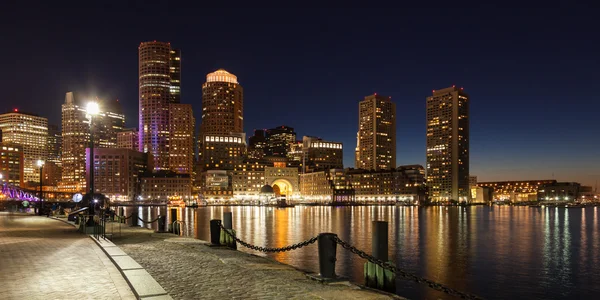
x=228, y=224
x=327, y=248
x=161, y=223
x=134, y=218
x=376, y=276
x=215, y=232
x=173, y=213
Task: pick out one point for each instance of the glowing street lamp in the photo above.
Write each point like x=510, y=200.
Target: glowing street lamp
x=40, y=163
x=92, y=109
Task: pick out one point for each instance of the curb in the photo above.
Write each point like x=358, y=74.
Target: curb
x=142, y=284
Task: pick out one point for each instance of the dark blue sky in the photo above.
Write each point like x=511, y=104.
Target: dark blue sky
x=532, y=72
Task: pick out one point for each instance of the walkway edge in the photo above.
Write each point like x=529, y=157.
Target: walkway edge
x=140, y=281
x=142, y=284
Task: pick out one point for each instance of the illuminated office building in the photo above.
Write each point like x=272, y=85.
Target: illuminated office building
x=448, y=145
x=319, y=154
x=279, y=140
x=376, y=142
x=222, y=104
x=128, y=139
x=76, y=137
x=11, y=164
x=54, y=144
x=223, y=151
x=31, y=133
x=182, y=127
x=159, y=85
x=257, y=145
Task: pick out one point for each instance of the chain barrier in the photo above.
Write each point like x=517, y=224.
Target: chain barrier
x=388, y=266
x=123, y=218
x=149, y=222
x=267, y=249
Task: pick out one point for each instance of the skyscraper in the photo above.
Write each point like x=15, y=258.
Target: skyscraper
x=76, y=136
x=376, y=142
x=54, y=144
x=128, y=139
x=30, y=132
x=222, y=104
x=279, y=140
x=182, y=127
x=448, y=145
x=159, y=85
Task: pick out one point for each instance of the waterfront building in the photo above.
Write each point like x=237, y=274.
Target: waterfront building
x=159, y=85
x=326, y=187
x=76, y=137
x=182, y=127
x=117, y=172
x=30, y=131
x=54, y=144
x=128, y=139
x=222, y=151
x=447, y=148
x=559, y=192
x=403, y=184
x=319, y=154
x=516, y=190
x=222, y=104
x=284, y=181
x=165, y=186
x=279, y=140
x=11, y=163
x=217, y=185
x=376, y=141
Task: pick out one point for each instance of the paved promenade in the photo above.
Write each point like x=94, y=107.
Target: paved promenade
x=188, y=269
x=42, y=258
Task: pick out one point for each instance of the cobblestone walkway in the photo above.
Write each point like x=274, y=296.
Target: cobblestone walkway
x=41, y=258
x=188, y=269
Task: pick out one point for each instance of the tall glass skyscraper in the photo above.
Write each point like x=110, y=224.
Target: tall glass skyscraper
x=159, y=85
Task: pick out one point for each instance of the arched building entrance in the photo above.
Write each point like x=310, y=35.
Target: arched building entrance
x=282, y=187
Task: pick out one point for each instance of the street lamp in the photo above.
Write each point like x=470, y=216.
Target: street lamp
x=92, y=109
x=40, y=164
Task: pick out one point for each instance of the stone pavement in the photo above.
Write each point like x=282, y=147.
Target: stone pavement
x=188, y=269
x=42, y=258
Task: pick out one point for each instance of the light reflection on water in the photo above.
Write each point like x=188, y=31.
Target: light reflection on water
x=495, y=252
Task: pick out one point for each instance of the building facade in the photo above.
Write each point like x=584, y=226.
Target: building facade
x=222, y=104
x=165, y=186
x=31, y=132
x=76, y=137
x=321, y=155
x=222, y=151
x=128, y=139
x=159, y=85
x=257, y=145
x=559, y=192
x=517, y=190
x=11, y=164
x=182, y=129
x=117, y=172
x=376, y=141
x=279, y=140
x=447, y=145
x=54, y=144
x=404, y=184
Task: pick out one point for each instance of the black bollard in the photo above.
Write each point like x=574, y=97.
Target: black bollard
x=134, y=219
x=380, y=240
x=121, y=214
x=227, y=220
x=173, y=213
x=215, y=232
x=376, y=276
x=327, y=248
x=161, y=223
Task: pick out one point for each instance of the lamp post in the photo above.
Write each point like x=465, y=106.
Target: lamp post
x=92, y=109
x=40, y=164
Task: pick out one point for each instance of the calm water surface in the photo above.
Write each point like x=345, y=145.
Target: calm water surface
x=494, y=252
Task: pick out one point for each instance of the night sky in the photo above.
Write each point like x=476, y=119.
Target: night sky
x=532, y=72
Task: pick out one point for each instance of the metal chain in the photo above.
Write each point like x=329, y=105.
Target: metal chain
x=123, y=218
x=413, y=277
x=267, y=249
x=149, y=221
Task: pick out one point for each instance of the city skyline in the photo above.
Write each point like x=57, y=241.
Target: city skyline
x=521, y=126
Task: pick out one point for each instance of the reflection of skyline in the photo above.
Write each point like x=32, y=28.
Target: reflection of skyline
x=538, y=252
